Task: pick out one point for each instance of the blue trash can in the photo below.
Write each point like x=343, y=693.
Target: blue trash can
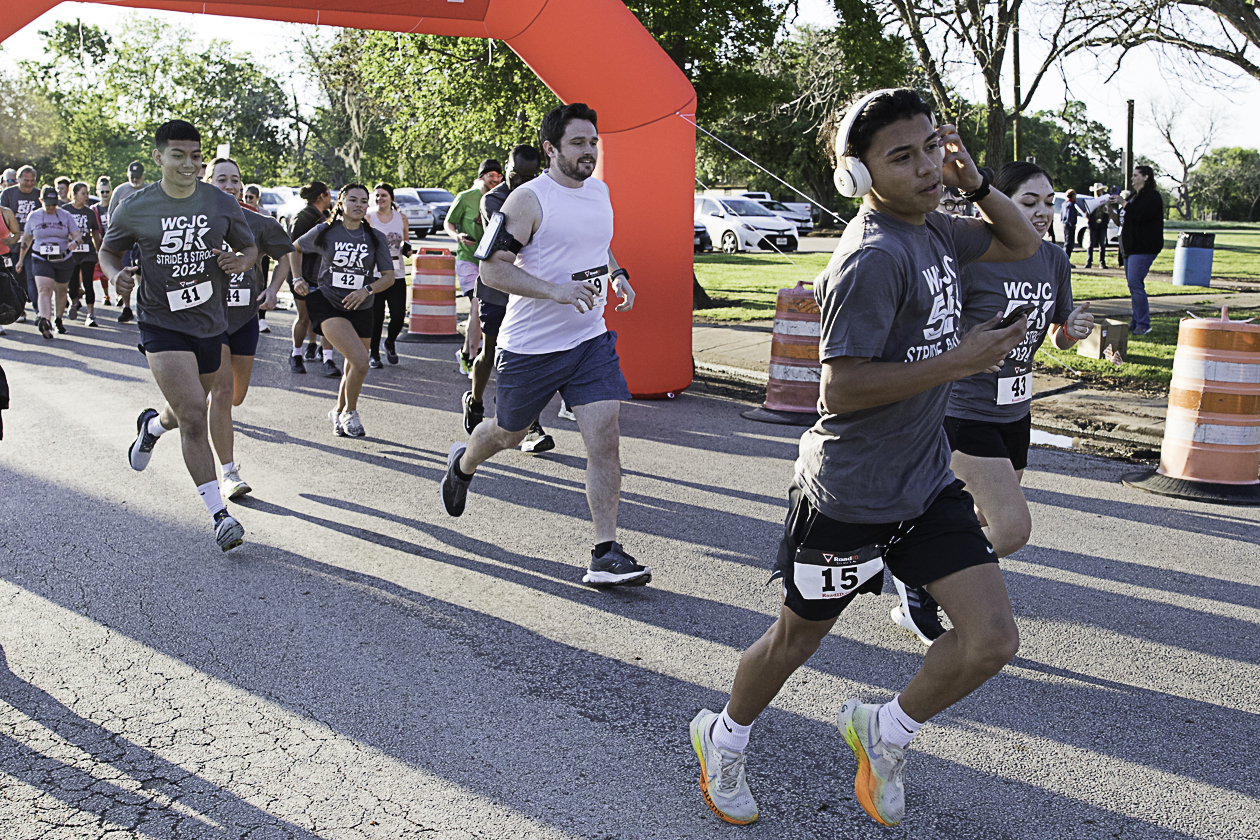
x=1192, y=263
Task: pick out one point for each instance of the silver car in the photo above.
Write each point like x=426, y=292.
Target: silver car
x=419, y=215
x=439, y=201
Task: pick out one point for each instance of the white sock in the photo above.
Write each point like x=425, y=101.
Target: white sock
x=328, y=354
x=895, y=726
x=228, y=467
x=156, y=428
x=297, y=351
x=211, y=496
x=728, y=734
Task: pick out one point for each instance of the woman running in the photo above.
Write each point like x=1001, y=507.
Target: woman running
x=85, y=260
x=390, y=223
x=51, y=235
x=318, y=199
x=341, y=306
x=253, y=197
x=988, y=421
x=100, y=202
x=246, y=296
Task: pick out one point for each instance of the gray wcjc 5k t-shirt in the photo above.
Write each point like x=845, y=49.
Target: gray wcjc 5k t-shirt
x=891, y=294
x=347, y=259
x=244, y=289
x=181, y=286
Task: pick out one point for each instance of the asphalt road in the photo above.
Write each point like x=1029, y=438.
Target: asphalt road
x=366, y=667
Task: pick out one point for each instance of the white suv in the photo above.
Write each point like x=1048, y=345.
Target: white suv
x=742, y=224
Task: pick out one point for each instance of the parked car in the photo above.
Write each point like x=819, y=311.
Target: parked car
x=439, y=201
x=739, y=224
x=273, y=198
x=1082, y=226
x=418, y=214
x=704, y=242
x=801, y=219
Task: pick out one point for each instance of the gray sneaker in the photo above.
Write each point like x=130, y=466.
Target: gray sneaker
x=228, y=533
x=454, y=488
x=351, y=424
x=879, y=786
x=335, y=417
x=141, y=448
x=722, y=779
x=616, y=568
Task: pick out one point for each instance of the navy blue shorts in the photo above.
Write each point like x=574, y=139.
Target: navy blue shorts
x=588, y=373
x=209, y=351
x=491, y=317
x=243, y=342
x=59, y=271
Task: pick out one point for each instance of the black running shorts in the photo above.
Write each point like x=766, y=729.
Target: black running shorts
x=321, y=309
x=822, y=562
x=209, y=351
x=983, y=439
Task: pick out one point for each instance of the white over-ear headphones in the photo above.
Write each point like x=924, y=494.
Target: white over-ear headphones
x=853, y=179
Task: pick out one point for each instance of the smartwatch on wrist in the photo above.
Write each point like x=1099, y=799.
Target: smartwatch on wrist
x=979, y=193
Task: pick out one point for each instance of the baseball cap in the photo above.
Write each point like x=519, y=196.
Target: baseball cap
x=489, y=165
x=135, y=169
x=49, y=195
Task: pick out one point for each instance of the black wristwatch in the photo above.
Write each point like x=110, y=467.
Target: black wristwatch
x=620, y=272
x=979, y=193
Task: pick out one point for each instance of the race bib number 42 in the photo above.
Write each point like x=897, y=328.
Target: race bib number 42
x=347, y=280
x=820, y=575
x=597, y=277
x=190, y=296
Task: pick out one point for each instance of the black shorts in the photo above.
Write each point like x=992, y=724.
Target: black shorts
x=209, y=351
x=984, y=439
x=947, y=538
x=59, y=270
x=243, y=342
x=491, y=317
x=321, y=309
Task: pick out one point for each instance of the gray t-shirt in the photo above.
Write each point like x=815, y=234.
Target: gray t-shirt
x=21, y=203
x=181, y=286
x=1045, y=280
x=51, y=232
x=87, y=221
x=347, y=259
x=244, y=289
x=124, y=190
x=890, y=294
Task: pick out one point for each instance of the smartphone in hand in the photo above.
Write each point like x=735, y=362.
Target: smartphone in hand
x=1012, y=317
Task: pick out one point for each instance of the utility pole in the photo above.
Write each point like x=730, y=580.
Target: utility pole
x=1128, y=149
x=1018, y=88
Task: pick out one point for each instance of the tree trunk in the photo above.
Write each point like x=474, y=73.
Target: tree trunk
x=995, y=135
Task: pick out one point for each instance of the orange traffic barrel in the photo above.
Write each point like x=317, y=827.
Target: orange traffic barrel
x=432, y=302
x=1211, y=449
x=795, y=373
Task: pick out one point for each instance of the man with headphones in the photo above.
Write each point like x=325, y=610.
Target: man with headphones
x=872, y=484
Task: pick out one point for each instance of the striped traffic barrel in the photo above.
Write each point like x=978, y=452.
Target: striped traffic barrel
x=433, y=286
x=1211, y=447
x=795, y=373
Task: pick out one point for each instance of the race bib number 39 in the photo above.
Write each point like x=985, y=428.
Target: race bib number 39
x=820, y=575
x=1014, y=389
x=597, y=277
x=190, y=296
x=347, y=280
x=238, y=297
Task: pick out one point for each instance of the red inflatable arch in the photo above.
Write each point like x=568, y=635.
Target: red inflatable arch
x=592, y=51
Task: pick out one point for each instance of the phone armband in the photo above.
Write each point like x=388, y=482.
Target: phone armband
x=496, y=238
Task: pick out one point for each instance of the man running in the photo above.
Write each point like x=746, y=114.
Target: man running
x=872, y=483
x=464, y=223
x=557, y=265
x=23, y=199
x=135, y=183
x=523, y=166
x=180, y=225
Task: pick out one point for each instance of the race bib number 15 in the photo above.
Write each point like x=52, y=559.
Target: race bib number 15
x=189, y=296
x=821, y=575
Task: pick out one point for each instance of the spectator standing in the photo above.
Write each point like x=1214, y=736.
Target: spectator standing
x=464, y=223
x=1070, y=216
x=1100, y=216
x=1141, y=240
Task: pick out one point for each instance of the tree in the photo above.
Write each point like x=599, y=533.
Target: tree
x=1227, y=182
x=1225, y=30
x=29, y=128
x=1188, y=146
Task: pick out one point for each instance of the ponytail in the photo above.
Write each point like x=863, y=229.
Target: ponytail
x=339, y=210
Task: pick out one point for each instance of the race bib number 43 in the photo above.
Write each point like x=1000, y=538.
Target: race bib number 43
x=820, y=575
x=190, y=296
x=1014, y=389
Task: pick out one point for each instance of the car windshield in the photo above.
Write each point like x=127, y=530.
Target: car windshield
x=432, y=196
x=776, y=206
x=741, y=207
x=403, y=199
x=272, y=198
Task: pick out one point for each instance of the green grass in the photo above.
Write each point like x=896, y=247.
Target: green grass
x=1093, y=287
x=1237, y=250
x=747, y=284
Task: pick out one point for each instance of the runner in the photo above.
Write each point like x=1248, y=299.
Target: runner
x=318, y=199
x=552, y=256
x=245, y=297
x=10, y=245
x=988, y=420
x=180, y=225
x=390, y=223
x=135, y=182
x=85, y=261
x=23, y=198
x=62, y=183
x=463, y=222
x=341, y=306
x=50, y=235
x=253, y=195
x=523, y=166
x=872, y=482
x=101, y=202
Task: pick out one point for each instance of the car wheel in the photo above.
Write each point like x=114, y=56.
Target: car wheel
x=730, y=242
x=1080, y=239
x=421, y=233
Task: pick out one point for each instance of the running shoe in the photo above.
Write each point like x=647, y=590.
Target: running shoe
x=108, y=302
x=21, y=318
x=391, y=351
x=616, y=568
x=262, y=326
x=474, y=412
x=125, y=315
x=537, y=441
x=44, y=326
x=375, y=363
x=918, y=612
x=330, y=368
x=297, y=364
x=351, y=424
x=141, y=448
x=2, y=332
x=564, y=413
x=454, y=488
x=465, y=363
x=228, y=533
x=878, y=786
x=722, y=778
x=335, y=417
x=74, y=310
x=234, y=486
x=311, y=353
x=90, y=320
x=61, y=328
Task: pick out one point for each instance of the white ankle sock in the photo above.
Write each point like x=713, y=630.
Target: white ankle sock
x=728, y=734
x=228, y=467
x=211, y=496
x=297, y=351
x=156, y=428
x=328, y=355
x=895, y=726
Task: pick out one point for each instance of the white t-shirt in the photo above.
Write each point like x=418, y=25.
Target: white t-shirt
x=571, y=243
x=393, y=233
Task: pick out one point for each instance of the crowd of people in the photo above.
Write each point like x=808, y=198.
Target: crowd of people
x=929, y=325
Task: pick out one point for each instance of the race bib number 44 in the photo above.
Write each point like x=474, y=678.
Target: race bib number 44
x=238, y=297
x=190, y=296
x=821, y=575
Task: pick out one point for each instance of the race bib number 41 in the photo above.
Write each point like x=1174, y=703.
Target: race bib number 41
x=190, y=296
x=820, y=575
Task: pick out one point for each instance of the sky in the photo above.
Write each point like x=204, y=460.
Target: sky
x=1142, y=74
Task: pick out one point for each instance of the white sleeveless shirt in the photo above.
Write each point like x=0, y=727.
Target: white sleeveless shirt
x=393, y=233
x=572, y=241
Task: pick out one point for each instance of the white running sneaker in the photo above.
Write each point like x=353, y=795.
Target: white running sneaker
x=234, y=486
x=564, y=413
x=722, y=778
x=141, y=449
x=351, y=424
x=336, y=421
x=917, y=612
x=228, y=533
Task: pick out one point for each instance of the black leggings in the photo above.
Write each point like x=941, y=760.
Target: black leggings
x=81, y=283
x=396, y=297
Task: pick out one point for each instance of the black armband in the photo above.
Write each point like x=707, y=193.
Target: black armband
x=979, y=193
x=496, y=238
x=620, y=272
